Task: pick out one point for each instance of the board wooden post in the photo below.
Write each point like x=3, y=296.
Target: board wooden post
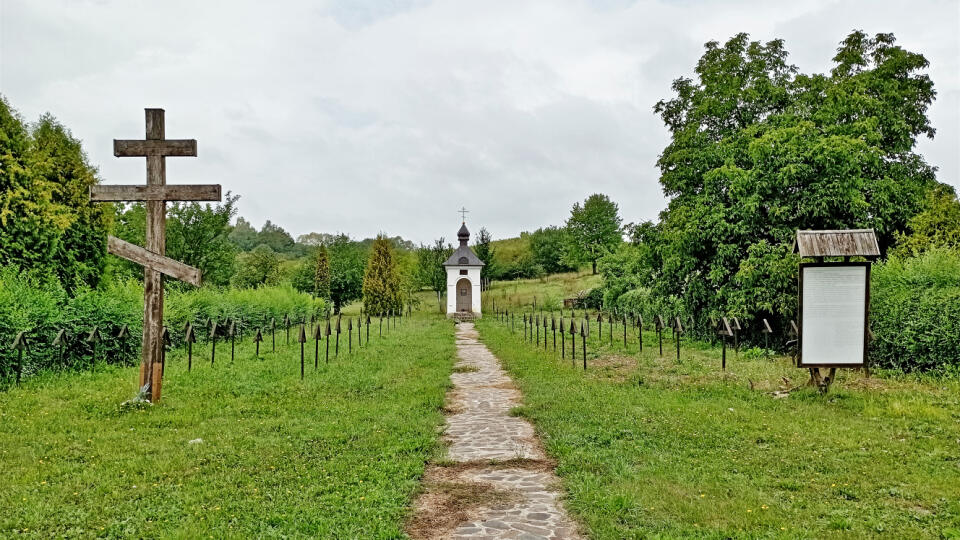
x=190, y=338
x=155, y=148
x=257, y=338
x=20, y=344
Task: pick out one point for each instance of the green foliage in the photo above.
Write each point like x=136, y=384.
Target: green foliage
x=593, y=230
x=381, y=282
x=915, y=312
x=486, y=252
x=321, y=273
x=243, y=235
x=302, y=275
x=47, y=223
x=938, y=225
x=41, y=307
x=197, y=234
x=548, y=247
x=622, y=270
x=347, y=261
x=274, y=236
x=255, y=267
x=430, y=261
x=522, y=267
x=248, y=308
x=758, y=151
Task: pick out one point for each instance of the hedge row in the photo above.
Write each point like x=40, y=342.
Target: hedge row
x=41, y=308
x=914, y=313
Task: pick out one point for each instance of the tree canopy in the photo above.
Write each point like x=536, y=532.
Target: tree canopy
x=47, y=224
x=758, y=151
x=593, y=230
x=347, y=261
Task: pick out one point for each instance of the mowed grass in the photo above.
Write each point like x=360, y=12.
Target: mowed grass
x=651, y=448
x=337, y=455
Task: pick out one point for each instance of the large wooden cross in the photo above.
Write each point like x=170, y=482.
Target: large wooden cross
x=155, y=193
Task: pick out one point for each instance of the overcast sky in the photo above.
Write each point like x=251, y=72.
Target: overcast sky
x=388, y=115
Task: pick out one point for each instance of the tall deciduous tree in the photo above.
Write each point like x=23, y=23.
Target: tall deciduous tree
x=485, y=252
x=381, y=282
x=430, y=269
x=255, y=267
x=346, y=271
x=276, y=237
x=244, y=235
x=548, y=245
x=758, y=151
x=197, y=234
x=593, y=229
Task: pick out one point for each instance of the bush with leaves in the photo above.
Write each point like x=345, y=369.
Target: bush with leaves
x=47, y=223
x=915, y=312
x=40, y=307
x=549, y=245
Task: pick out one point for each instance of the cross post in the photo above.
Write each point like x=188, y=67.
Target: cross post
x=155, y=148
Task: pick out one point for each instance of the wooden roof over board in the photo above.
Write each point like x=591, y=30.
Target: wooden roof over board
x=846, y=243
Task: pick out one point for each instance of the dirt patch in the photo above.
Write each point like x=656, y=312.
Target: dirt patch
x=466, y=369
x=448, y=501
x=450, y=409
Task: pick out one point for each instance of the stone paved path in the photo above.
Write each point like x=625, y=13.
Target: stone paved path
x=494, y=453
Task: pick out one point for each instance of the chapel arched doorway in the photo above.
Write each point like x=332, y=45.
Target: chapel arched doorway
x=464, y=296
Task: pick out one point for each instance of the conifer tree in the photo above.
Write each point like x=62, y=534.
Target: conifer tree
x=381, y=281
x=321, y=277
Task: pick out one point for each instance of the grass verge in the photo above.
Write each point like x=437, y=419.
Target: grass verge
x=337, y=455
x=651, y=448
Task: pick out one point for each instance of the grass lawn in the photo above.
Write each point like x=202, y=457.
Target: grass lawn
x=549, y=291
x=651, y=448
x=338, y=455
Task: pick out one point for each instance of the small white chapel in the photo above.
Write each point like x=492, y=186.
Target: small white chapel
x=463, y=278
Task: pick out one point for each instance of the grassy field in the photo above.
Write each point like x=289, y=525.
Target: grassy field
x=337, y=455
x=510, y=250
x=549, y=291
x=651, y=448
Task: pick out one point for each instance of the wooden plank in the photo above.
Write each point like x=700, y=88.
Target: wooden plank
x=154, y=147
x=153, y=261
x=202, y=192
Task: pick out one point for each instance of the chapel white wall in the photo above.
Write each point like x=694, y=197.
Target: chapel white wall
x=453, y=276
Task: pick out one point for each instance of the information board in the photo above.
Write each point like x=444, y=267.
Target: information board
x=834, y=301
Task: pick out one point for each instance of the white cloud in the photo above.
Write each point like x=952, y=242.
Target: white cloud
x=368, y=116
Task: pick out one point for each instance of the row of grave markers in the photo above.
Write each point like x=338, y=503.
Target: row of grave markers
x=230, y=329
x=532, y=323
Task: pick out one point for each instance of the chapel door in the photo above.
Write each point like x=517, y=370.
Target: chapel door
x=464, y=296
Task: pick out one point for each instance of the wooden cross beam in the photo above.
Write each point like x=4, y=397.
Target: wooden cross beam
x=155, y=148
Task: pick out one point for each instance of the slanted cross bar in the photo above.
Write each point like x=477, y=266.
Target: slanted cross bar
x=155, y=147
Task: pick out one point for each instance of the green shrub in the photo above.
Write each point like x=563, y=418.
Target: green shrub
x=248, y=308
x=915, y=312
x=40, y=307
